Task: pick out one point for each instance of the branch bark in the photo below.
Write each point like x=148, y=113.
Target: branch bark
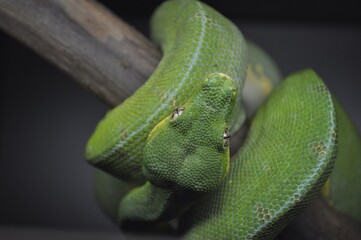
x=86, y=40
x=110, y=58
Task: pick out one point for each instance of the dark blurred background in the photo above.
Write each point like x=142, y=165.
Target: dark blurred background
x=46, y=118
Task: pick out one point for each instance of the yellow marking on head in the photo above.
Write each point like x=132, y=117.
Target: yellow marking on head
x=157, y=128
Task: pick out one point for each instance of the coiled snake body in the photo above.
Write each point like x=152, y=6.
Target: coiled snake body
x=171, y=137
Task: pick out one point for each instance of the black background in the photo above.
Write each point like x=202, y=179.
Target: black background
x=46, y=118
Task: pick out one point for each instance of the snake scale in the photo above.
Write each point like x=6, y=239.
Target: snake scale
x=167, y=146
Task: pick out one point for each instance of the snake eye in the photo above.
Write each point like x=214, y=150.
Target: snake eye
x=226, y=138
x=176, y=113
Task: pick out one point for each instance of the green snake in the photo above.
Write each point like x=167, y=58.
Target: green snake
x=167, y=146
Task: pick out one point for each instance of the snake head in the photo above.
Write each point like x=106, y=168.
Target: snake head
x=189, y=149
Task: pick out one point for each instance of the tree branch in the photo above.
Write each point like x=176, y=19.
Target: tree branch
x=86, y=40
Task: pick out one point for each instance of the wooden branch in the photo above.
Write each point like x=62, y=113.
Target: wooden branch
x=110, y=58
x=85, y=40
